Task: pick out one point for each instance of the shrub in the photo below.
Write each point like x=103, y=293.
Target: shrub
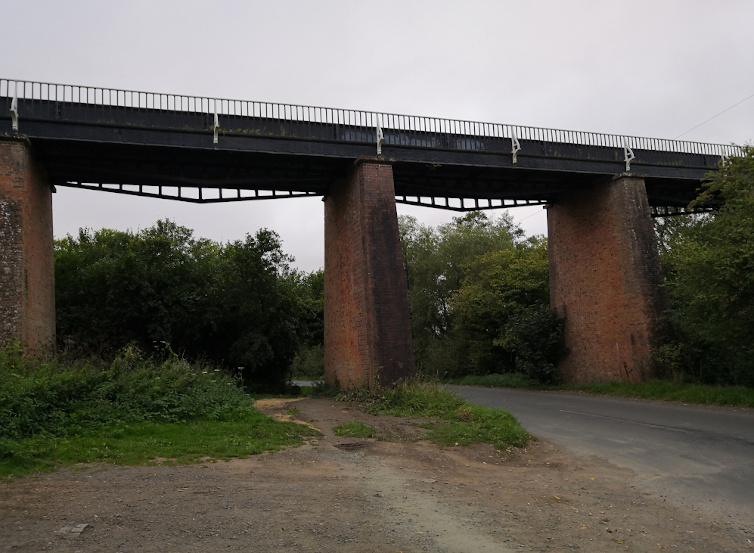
x=52, y=399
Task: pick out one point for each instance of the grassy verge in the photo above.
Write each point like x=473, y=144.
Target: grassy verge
x=737, y=396
x=133, y=411
x=508, y=380
x=663, y=390
x=453, y=421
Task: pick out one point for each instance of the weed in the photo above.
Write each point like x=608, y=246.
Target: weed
x=477, y=424
x=354, y=430
x=455, y=421
x=415, y=398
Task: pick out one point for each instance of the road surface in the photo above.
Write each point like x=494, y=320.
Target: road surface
x=698, y=456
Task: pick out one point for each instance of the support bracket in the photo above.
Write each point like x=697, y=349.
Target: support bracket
x=216, y=126
x=515, y=147
x=628, y=156
x=380, y=139
x=14, y=110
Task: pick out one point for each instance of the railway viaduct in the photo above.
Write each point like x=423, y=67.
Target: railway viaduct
x=600, y=192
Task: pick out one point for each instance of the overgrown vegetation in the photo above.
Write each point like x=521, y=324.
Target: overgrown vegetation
x=237, y=305
x=132, y=410
x=708, y=262
x=454, y=422
x=309, y=361
x=479, y=299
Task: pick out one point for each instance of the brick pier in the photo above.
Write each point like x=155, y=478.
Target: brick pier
x=605, y=278
x=367, y=327
x=27, y=275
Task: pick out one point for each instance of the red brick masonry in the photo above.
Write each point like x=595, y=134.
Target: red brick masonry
x=27, y=287
x=367, y=326
x=605, y=278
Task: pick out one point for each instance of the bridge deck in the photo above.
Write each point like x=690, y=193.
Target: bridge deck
x=228, y=150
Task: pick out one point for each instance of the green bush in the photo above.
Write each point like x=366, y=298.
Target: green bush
x=479, y=299
x=414, y=398
x=708, y=262
x=129, y=411
x=52, y=399
x=309, y=362
x=236, y=305
x=534, y=336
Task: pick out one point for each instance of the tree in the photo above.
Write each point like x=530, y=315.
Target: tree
x=238, y=305
x=114, y=287
x=260, y=323
x=709, y=266
x=479, y=298
x=437, y=261
x=503, y=308
x=310, y=359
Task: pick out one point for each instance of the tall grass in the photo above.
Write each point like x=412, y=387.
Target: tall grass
x=56, y=413
x=452, y=421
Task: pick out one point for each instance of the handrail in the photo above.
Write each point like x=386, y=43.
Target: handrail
x=23, y=91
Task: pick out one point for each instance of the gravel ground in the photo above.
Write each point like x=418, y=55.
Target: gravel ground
x=351, y=495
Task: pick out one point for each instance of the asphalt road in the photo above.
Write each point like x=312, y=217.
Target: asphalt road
x=697, y=456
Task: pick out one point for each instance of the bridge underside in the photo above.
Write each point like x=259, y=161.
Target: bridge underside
x=211, y=176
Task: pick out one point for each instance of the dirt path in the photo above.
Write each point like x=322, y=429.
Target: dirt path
x=349, y=495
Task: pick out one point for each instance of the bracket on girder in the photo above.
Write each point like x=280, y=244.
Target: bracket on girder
x=14, y=109
x=216, y=126
x=380, y=139
x=515, y=146
x=628, y=156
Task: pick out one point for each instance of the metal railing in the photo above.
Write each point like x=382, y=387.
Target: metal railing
x=423, y=131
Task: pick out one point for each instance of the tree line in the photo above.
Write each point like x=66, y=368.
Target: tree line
x=479, y=298
x=708, y=262
x=239, y=305
x=478, y=294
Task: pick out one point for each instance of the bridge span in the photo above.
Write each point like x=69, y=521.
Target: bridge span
x=600, y=190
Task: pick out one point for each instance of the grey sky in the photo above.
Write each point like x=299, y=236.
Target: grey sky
x=646, y=67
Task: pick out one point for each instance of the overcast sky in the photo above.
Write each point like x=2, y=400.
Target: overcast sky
x=653, y=68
